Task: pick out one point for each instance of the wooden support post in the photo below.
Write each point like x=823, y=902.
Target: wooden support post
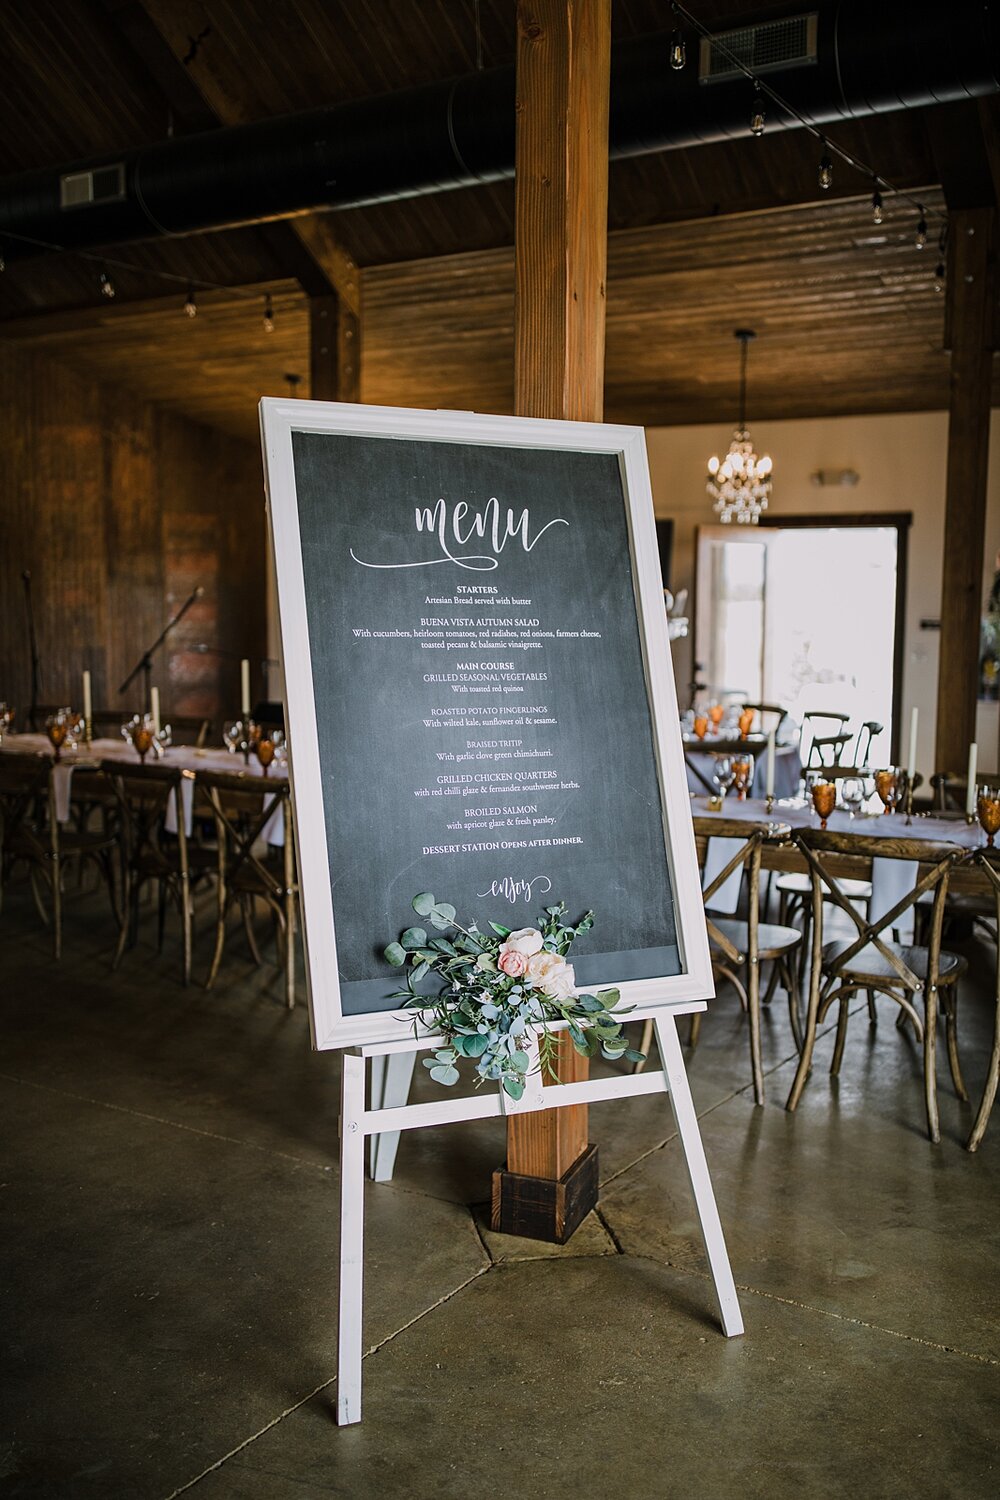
x=970, y=321
x=334, y=366
x=561, y=187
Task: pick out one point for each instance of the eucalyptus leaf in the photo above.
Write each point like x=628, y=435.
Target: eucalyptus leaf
x=444, y=1073
x=475, y=1046
x=420, y=972
x=500, y=930
x=395, y=954
x=423, y=904
x=512, y=1086
x=520, y=1060
x=414, y=937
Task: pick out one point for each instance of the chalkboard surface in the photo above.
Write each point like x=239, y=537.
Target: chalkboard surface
x=481, y=707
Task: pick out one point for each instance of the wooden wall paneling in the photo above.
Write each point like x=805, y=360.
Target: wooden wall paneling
x=971, y=283
x=119, y=511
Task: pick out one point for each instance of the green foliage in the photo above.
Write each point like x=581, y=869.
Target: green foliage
x=490, y=1017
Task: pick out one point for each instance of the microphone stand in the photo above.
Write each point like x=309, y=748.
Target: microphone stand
x=33, y=647
x=145, y=662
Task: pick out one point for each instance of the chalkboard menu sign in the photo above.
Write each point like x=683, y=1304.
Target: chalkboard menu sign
x=479, y=695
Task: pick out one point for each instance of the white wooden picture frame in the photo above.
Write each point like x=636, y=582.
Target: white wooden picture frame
x=280, y=419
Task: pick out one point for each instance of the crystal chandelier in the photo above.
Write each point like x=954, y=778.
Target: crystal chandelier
x=740, y=484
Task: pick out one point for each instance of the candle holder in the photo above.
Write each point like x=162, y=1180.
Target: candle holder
x=769, y=803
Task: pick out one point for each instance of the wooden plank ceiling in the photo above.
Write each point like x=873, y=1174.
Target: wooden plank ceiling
x=702, y=241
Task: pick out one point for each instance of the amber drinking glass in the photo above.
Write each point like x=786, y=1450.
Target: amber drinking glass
x=988, y=809
x=264, y=748
x=745, y=721
x=889, y=785
x=824, y=799
x=57, y=727
x=742, y=775
x=715, y=714
x=700, y=725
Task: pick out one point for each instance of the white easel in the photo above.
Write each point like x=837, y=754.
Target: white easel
x=392, y=1069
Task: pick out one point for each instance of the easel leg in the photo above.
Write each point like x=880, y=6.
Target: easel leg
x=376, y=1074
x=352, y=1233
x=697, y=1168
x=395, y=1091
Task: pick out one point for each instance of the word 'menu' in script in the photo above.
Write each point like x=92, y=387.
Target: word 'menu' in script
x=456, y=526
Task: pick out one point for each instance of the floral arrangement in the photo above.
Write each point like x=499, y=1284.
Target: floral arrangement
x=492, y=986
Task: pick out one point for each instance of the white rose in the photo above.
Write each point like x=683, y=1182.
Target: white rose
x=552, y=975
x=526, y=940
x=561, y=985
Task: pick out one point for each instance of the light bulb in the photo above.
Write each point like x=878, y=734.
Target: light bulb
x=939, y=276
x=757, y=115
x=713, y=465
x=876, y=204
x=268, y=314
x=107, y=285
x=825, y=170
x=921, y=239
x=678, y=52
x=190, y=305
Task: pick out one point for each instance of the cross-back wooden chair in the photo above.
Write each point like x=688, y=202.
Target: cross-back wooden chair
x=986, y=861
x=911, y=975
x=150, y=853
x=738, y=945
x=828, y=737
x=243, y=807
x=869, y=731
x=31, y=833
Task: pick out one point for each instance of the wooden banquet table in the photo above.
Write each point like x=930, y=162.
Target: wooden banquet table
x=977, y=874
x=188, y=758
x=698, y=754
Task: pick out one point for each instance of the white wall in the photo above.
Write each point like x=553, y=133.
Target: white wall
x=901, y=460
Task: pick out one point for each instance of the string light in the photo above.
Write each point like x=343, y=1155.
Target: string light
x=268, y=314
x=921, y=239
x=939, y=276
x=190, y=305
x=876, y=202
x=825, y=167
x=678, y=52
x=107, y=285
x=757, y=115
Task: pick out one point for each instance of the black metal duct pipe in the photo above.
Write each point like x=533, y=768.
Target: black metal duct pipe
x=873, y=56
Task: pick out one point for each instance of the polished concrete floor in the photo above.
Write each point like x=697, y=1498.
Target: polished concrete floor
x=168, y=1253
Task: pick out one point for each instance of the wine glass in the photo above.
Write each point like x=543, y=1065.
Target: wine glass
x=889, y=785
x=722, y=774
x=742, y=775
x=852, y=794
x=6, y=719
x=824, y=799
x=57, y=728
x=988, y=810
x=264, y=748
x=232, y=735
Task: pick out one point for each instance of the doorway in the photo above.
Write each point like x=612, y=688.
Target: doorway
x=806, y=613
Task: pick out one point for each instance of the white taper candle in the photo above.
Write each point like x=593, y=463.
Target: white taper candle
x=245, y=686
x=770, y=762
x=970, y=795
x=911, y=764
x=154, y=706
x=87, y=704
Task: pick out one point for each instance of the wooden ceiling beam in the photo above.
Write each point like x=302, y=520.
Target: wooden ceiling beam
x=311, y=249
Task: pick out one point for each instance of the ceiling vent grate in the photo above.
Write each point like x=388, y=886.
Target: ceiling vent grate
x=773, y=45
x=100, y=185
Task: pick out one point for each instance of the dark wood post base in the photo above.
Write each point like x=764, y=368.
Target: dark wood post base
x=545, y=1208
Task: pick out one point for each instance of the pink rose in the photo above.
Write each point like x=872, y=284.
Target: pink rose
x=513, y=963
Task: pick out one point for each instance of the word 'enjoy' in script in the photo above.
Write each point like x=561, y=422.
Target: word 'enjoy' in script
x=456, y=526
